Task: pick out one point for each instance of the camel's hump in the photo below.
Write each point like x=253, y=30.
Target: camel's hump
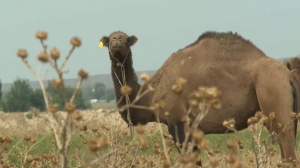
x=224, y=37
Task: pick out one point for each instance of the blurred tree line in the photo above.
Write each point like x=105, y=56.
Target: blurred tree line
x=21, y=96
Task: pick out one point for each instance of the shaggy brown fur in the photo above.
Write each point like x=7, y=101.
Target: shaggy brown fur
x=293, y=63
x=249, y=80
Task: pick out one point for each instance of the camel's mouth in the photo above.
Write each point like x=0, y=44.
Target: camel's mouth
x=118, y=48
x=118, y=51
x=118, y=55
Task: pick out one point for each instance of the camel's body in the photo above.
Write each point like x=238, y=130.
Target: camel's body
x=248, y=79
x=241, y=72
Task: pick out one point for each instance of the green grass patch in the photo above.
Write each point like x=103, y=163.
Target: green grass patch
x=78, y=149
x=103, y=105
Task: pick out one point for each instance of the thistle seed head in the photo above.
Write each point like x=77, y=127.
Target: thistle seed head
x=143, y=142
x=139, y=129
x=212, y=92
x=272, y=116
x=93, y=146
x=204, y=144
x=126, y=90
x=22, y=53
x=83, y=74
x=29, y=159
x=42, y=35
x=214, y=162
x=178, y=87
x=145, y=77
x=103, y=142
x=56, y=83
x=229, y=159
x=75, y=41
x=54, y=53
x=293, y=115
x=215, y=104
x=27, y=138
x=77, y=115
x=53, y=108
x=237, y=164
x=8, y=139
x=197, y=135
x=70, y=107
x=43, y=57
x=167, y=164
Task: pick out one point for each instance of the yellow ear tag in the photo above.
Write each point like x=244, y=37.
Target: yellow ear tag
x=100, y=44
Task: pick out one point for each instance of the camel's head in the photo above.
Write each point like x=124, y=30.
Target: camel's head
x=293, y=63
x=118, y=44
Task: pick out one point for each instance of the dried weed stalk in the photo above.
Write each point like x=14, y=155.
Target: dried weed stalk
x=61, y=130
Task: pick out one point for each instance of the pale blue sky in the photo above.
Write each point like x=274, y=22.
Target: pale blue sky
x=162, y=27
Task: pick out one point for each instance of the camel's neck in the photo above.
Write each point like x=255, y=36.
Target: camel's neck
x=137, y=115
x=128, y=72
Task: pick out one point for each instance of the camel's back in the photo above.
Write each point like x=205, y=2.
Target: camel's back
x=224, y=60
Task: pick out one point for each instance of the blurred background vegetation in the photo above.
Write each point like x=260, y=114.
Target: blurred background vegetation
x=21, y=97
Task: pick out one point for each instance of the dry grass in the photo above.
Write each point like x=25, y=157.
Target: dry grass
x=95, y=123
x=22, y=125
x=217, y=150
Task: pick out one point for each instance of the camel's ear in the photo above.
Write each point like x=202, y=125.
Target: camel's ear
x=287, y=64
x=104, y=41
x=132, y=40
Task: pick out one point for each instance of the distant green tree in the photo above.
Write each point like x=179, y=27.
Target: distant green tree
x=37, y=100
x=99, y=91
x=50, y=89
x=57, y=97
x=87, y=93
x=79, y=101
x=88, y=105
x=18, y=99
x=110, y=94
x=0, y=90
x=1, y=95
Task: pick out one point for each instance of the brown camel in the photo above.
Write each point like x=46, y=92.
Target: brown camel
x=292, y=63
x=249, y=81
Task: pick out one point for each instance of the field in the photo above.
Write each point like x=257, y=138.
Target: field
x=100, y=138
x=32, y=144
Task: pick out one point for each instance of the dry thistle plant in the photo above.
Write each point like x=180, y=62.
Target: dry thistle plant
x=4, y=151
x=143, y=143
x=205, y=98
x=62, y=130
x=263, y=152
x=201, y=102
